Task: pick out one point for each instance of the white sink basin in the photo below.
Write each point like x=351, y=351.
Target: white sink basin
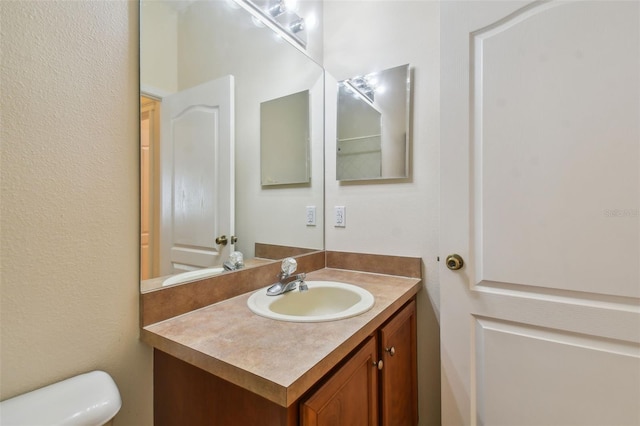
x=324, y=301
x=192, y=276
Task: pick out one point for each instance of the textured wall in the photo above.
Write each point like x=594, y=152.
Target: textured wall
x=402, y=217
x=69, y=198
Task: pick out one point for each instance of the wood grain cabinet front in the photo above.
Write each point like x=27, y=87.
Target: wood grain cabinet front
x=398, y=377
x=350, y=395
x=375, y=385
x=385, y=366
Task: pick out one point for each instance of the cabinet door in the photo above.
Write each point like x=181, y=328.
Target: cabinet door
x=350, y=396
x=399, y=387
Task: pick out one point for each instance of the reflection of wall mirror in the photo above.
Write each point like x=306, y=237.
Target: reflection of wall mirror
x=284, y=140
x=205, y=68
x=373, y=125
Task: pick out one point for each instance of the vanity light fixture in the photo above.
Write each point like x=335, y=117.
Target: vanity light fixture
x=281, y=16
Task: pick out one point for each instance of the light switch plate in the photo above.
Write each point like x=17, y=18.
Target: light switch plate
x=340, y=216
x=311, y=216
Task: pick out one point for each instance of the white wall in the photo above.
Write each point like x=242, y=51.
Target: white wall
x=69, y=198
x=401, y=217
x=159, y=47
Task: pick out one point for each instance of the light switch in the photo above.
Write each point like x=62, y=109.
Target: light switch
x=311, y=216
x=340, y=218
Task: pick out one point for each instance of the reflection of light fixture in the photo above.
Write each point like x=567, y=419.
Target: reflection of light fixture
x=297, y=26
x=372, y=79
x=357, y=92
x=362, y=86
x=277, y=9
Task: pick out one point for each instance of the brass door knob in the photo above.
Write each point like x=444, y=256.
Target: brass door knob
x=454, y=262
x=222, y=240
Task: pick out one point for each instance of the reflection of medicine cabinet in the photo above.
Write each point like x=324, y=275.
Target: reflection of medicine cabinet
x=373, y=125
x=284, y=140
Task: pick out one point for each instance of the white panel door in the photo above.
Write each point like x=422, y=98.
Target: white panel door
x=197, y=143
x=540, y=195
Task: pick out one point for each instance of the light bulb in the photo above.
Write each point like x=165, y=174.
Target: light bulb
x=291, y=5
x=297, y=26
x=311, y=21
x=277, y=9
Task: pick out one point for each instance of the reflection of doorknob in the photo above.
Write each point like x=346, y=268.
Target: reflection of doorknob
x=454, y=262
x=234, y=239
x=222, y=240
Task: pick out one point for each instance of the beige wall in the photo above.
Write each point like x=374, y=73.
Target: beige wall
x=398, y=218
x=69, y=198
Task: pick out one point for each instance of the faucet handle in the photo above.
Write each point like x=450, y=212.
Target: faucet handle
x=289, y=266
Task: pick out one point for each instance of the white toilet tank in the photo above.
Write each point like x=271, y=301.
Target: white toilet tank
x=89, y=399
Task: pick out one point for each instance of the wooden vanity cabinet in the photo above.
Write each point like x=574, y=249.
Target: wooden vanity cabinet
x=376, y=385
x=350, y=396
x=399, y=374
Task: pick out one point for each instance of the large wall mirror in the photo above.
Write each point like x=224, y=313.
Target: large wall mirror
x=205, y=69
x=373, y=125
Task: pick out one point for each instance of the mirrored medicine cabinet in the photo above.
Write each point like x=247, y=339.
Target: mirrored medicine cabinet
x=373, y=125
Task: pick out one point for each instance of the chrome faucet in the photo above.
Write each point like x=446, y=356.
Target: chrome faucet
x=286, y=280
x=235, y=262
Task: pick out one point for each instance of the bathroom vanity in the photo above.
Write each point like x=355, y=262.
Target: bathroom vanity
x=377, y=383
x=223, y=364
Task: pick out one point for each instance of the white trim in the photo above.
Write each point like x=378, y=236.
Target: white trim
x=153, y=92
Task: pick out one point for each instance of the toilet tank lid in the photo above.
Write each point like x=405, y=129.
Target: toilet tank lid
x=88, y=399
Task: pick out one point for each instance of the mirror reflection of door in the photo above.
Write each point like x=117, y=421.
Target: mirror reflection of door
x=149, y=187
x=197, y=177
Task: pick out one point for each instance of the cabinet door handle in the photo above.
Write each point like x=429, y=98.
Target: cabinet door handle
x=391, y=351
x=378, y=364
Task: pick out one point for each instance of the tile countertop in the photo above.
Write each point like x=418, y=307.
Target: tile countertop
x=275, y=359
